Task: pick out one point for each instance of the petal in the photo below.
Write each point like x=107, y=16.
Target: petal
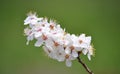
x=33, y=21
x=88, y=40
x=84, y=45
x=74, y=53
x=49, y=42
x=72, y=58
x=68, y=63
x=27, y=31
x=89, y=56
x=84, y=51
x=52, y=55
x=46, y=49
x=37, y=34
x=67, y=50
x=30, y=37
x=78, y=49
x=61, y=58
x=26, y=21
x=27, y=42
x=39, y=43
x=82, y=36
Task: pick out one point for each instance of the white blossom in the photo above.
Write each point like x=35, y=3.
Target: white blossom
x=90, y=52
x=56, y=43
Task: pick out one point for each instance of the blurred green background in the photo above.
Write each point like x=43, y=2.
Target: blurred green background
x=98, y=18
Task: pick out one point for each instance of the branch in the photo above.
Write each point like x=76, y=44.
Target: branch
x=84, y=65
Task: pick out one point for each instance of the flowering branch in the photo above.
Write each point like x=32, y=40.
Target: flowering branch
x=84, y=65
x=57, y=44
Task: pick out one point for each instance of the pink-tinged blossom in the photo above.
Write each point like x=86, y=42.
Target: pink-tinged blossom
x=56, y=43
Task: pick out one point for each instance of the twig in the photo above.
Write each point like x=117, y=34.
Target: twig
x=84, y=65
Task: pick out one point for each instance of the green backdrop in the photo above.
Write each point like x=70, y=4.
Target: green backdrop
x=98, y=18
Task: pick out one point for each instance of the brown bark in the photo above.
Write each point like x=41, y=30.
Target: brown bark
x=84, y=65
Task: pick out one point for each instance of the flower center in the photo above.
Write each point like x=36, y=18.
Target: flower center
x=56, y=44
x=80, y=41
x=66, y=56
x=44, y=37
x=51, y=27
x=72, y=47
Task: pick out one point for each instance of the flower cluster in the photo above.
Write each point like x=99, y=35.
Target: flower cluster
x=57, y=44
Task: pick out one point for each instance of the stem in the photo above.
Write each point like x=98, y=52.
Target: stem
x=84, y=65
